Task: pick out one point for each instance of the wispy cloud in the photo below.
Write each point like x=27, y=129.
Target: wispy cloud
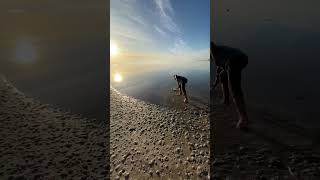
x=143, y=26
x=166, y=15
x=138, y=19
x=126, y=23
x=160, y=31
x=120, y=31
x=179, y=47
x=170, y=26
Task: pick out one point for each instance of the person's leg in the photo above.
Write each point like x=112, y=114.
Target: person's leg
x=234, y=74
x=180, y=89
x=225, y=88
x=184, y=92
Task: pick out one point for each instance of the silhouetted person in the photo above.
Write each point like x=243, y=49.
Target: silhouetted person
x=230, y=62
x=182, y=81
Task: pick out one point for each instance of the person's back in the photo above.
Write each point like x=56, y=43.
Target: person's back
x=181, y=79
x=223, y=54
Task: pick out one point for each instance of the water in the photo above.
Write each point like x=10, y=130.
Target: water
x=154, y=82
x=281, y=39
x=56, y=52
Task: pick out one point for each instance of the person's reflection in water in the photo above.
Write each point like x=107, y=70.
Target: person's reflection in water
x=182, y=81
x=230, y=62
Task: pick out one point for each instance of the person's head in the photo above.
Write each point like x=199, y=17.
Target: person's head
x=175, y=77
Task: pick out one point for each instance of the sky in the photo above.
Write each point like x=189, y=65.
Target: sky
x=160, y=29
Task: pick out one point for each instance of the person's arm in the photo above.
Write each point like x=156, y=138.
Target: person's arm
x=178, y=86
x=218, y=74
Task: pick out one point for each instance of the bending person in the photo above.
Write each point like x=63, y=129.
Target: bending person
x=182, y=81
x=230, y=62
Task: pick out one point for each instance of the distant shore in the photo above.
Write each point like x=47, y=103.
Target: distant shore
x=41, y=142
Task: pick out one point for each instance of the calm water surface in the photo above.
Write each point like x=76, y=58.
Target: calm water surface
x=281, y=39
x=155, y=85
x=56, y=52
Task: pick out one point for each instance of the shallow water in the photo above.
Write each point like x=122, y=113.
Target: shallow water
x=281, y=39
x=55, y=52
x=154, y=83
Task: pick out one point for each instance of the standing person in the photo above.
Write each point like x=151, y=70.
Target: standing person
x=230, y=62
x=182, y=81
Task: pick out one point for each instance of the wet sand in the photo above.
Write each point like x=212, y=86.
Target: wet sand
x=272, y=148
x=152, y=142
x=41, y=142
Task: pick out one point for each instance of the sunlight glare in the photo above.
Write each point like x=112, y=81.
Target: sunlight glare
x=117, y=77
x=114, y=50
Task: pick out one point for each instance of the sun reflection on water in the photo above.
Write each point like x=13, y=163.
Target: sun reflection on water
x=25, y=52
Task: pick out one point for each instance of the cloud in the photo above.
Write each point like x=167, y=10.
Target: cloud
x=166, y=12
x=170, y=27
x=164, y=5
x=138, y=19
x=119, y=30
x=179, y=47
x=143, y=26
x=160, y=31
x=126, y=22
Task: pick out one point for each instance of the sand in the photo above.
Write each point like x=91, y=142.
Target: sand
x=153, y=142
x=273, y=148
x=148, y=142
x=41, y=142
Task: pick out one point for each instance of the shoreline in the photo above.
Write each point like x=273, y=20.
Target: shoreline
x=271, y=148
x=172, y=101
x=149, y=141
x=38, y=141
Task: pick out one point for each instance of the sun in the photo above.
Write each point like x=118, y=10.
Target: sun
x=114, y=50
x=117, y=77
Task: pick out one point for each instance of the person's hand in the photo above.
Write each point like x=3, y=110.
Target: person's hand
x=185, y=100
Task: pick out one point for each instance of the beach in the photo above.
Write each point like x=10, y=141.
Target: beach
x=154, y=142
x=41, y=142
x=272, y=148
x=147, y=141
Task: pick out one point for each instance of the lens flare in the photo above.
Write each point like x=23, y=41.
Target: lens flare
x=114, y=50
x=117, y=77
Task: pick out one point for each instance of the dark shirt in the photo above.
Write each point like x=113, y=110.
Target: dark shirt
x=181, y=79
x=222, y=54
